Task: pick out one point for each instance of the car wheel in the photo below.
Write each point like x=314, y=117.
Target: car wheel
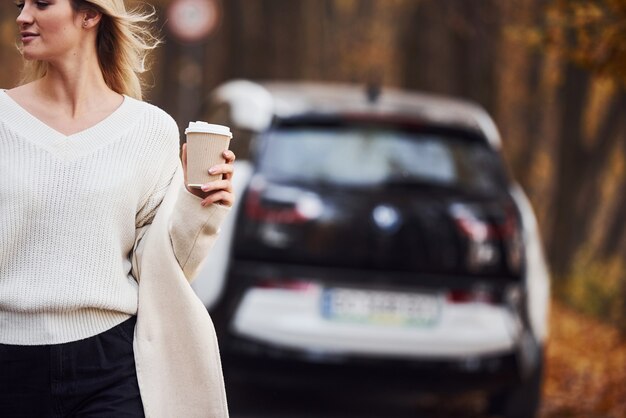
x=521, y=401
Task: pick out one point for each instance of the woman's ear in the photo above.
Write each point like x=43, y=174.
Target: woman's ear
x=91, y=18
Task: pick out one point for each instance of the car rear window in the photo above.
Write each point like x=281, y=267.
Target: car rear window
x=365, y=157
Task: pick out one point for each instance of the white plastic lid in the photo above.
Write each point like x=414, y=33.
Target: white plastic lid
x=208, y=128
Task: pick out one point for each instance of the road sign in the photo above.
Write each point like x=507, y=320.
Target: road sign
x=192, y=20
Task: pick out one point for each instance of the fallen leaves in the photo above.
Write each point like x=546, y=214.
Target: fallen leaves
x=586, y=368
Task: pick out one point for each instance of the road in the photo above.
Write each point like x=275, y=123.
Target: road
x=246, y=402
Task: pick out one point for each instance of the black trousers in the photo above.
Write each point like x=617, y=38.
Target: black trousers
x=94, y=378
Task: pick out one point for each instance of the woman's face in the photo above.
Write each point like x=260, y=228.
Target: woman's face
x=49, y=29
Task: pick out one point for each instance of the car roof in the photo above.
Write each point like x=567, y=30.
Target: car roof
x=255, y=105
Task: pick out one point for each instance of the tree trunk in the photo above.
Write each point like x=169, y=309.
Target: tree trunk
x=573, y=96
x=597, y=160
x=614, y=238
x=475, y=42
x=428, y=64
x=533, y=106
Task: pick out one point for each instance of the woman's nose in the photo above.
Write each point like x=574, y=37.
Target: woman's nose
x=25, y=18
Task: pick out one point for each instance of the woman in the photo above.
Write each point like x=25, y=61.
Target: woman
x=85, y=167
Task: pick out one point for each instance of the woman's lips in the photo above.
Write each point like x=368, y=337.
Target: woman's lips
x=28, y=36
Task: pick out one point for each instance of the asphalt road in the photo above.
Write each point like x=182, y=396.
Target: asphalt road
x=254, y=402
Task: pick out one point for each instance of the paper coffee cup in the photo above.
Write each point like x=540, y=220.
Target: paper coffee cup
x=205, y=144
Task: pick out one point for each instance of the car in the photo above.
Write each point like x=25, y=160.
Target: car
x=378, y=237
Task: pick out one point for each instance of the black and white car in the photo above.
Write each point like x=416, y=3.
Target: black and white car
x=377, y=235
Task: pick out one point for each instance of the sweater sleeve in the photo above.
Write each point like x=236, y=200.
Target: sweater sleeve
x=166, y=156
x=192, y=228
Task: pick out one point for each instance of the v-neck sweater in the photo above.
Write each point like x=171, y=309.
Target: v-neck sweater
x=70, y=206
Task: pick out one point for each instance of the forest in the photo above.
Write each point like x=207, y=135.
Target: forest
x=552, y=73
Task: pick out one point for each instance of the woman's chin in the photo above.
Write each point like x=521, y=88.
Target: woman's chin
x=29, y=56
x=29, y=53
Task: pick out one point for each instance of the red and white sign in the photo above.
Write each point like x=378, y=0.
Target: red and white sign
x=192, y=20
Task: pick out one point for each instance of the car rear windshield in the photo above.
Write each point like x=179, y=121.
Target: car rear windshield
x=366, y=157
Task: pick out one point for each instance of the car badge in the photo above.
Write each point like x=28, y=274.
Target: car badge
x=386, y=217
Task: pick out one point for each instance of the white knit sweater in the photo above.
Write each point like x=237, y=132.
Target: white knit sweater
x=69, y=210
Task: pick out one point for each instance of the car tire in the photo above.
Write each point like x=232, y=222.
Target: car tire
x=521, y=401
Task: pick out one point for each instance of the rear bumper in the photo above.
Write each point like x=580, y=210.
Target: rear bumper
x=260, y=364
x=292, y=319
x=276, y=337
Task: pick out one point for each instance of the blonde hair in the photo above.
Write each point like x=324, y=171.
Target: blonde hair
x=123, y=42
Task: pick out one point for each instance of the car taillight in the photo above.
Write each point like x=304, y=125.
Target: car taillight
x=484, y=232
x=298, y=285
x=471, y=222
x=470, y=296
x=280, y=215
x=280, y=204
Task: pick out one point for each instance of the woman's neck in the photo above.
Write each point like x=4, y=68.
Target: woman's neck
x=74, y=88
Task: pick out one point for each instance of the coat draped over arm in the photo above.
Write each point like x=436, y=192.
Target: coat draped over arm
x=176, y=351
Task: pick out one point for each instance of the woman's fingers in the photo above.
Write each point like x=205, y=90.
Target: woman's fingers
x=222, y=169
x=226, y=170
x=217, y=185
x=218, y=191
x=184, y=160
x=229, y=156
x=223, y=197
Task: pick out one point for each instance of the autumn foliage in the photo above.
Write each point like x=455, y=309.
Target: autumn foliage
x=551, y=72
x=591, y=33
x=586, y=368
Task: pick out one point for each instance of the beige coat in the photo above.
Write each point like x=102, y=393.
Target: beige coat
x=176, y=352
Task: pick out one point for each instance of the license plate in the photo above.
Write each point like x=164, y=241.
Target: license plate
x=380, y=307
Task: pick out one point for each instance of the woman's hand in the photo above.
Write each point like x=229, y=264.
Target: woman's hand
x=218, y=191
